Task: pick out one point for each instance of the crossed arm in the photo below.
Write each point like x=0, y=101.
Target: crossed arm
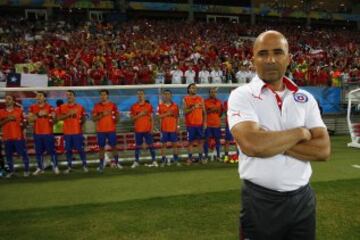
x=7, y=119
x=300, y=143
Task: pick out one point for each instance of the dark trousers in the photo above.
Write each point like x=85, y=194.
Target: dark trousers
x=273, y=215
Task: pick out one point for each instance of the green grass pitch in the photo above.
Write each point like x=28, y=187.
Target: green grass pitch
x=196, y=202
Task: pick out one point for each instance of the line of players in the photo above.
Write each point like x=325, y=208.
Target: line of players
x=202, y=120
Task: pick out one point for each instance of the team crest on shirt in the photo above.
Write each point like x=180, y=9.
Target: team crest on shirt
x=301, y=97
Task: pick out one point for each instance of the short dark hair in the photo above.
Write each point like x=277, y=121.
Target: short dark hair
x=189, y=86
x=167, y=91
x=59, y=102
x=71, y=91
x=212, y=88
x=104, y=91
x=43, y=93
x=12, y=97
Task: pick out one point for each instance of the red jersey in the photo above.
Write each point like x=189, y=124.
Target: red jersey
x=194, y=118
x=143, y=123
x=169, y=123
x=97, y=75
x=129, y=77
x=108, y=122
x=72, y=125
x=145, y=76
x=213, y=118
x=43, y=124
x=115, y=76
x=12, y=130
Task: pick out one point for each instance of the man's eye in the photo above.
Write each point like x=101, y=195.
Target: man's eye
x=262, y=54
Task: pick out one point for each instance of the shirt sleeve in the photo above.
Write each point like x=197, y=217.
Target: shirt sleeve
x=82, y=111
x=51, y=109
x=94, y=111
x=60, y=110
x=115, y=109
x=176, y=110
x=313, y=116
x=240, y=108
x=132, y=111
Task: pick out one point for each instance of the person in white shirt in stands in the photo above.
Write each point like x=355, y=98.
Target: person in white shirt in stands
x=279, y=131
x=204, y=75
x=177, y=75
x=252, y=72
x=190, y=75
x=216, y=75
x=160, y=75
x=242, y=75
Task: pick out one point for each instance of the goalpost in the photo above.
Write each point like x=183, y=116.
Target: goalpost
x=353, y=117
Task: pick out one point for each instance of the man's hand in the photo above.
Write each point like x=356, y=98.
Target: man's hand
x=107, y=112
x=71, y=113
x=42, y=113
x=142, y=113
x=306, y=133
x=170, y=113
x=11, y=118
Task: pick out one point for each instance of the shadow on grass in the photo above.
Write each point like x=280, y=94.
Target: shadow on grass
x=78, y=173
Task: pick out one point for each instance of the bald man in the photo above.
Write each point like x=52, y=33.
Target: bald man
x=279, y=131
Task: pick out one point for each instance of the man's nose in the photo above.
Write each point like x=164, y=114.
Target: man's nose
x=270, y=58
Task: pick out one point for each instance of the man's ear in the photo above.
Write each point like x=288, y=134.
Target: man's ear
x=290, y=59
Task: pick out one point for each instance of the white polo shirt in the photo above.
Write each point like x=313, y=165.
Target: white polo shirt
x=176, y=76
x=204, y=76
x=190, y=76
x=216, y=76
x=257, y=103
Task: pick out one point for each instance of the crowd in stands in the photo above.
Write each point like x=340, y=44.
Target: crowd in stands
x=169, y=51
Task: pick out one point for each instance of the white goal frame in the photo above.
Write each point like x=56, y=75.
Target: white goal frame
x=354, y=128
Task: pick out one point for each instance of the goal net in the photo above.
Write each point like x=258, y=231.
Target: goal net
x=353, y=117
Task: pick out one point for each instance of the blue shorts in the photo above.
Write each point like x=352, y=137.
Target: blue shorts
x=74, y=141
x=44, y=142
x=168, y=137
x=213, y=132
x=12, y=146
x=195, y=133
x=110, y=136
x=228, y=135
x=139, y=138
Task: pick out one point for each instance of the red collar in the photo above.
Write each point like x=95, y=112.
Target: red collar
x=290, y=85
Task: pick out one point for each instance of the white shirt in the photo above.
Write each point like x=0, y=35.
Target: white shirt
x=204, y=76
x=190, y=76
x=176, y=76
x=160, y=78
x=195, y=57
x=241, y=76
x=254, y=102
x=2, y=77
x=216, y=76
